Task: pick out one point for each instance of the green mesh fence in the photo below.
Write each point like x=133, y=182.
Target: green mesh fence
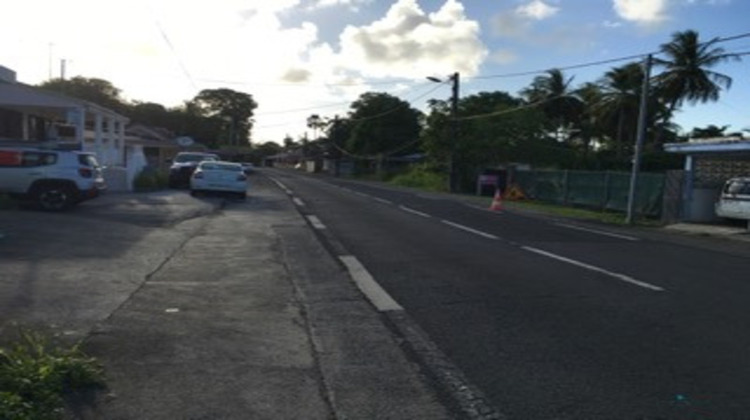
x=599, y=190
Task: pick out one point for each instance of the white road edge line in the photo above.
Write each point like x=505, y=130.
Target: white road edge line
x=618, y=276
x=317, y=224
x=282, y=186
x=598, y=232
x=468, y=229
x=298, y=201
x=367, y=284
x=412, y=211
x=382, y=200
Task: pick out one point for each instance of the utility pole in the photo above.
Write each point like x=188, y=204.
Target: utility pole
x=454, y=133
x=642, y=115
x=62, y=69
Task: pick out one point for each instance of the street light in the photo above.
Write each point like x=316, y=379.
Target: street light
x=455, y=78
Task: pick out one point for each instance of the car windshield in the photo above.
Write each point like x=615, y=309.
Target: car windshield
x=737, y=187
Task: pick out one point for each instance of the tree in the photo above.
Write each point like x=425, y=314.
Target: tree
x=382, y=124
x=316, y=123
x=494, y=129
x=709, y=131
x=236, y=109
x=619, y=104
x=152, y=114
x=98, y=91
x=687, y=76
x=589, y=125
x=558, y=101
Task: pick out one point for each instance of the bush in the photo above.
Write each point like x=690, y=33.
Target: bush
x=422, y=177
x=35, y=378
x=150, y=180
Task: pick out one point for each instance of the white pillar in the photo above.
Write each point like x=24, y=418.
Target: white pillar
x=121, y=140
x=687, y=193
x=25, y=127
x=80, y=126
x=112, y=148
x=98, y=139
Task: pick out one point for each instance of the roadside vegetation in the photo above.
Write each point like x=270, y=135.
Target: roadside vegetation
x=37, y=377
x=556, y=122
x=422, y=177
x=150, y=180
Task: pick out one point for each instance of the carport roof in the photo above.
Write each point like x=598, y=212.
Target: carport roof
x=711, y=145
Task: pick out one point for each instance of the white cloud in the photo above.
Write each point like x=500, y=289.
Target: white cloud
x=407, y=42
x=504, y=56
x=352, y=4
x=641, y=11
x=537, y=10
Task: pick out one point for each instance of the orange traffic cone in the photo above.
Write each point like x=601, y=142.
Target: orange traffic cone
x=497, y=201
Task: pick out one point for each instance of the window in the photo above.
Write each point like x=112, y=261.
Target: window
x=38, y=159
x=737, y=187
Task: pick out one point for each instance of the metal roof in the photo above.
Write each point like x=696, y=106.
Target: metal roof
x=710, y=145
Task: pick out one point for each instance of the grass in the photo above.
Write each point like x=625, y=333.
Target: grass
x=37, y=376
x=609, y=217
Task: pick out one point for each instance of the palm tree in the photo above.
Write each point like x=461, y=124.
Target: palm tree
x=590, y=95
x=560, y=104
x=619, y=102
x=687, y=75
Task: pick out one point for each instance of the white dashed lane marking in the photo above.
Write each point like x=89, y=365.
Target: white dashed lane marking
x=317, y=224
x=618, y=276
x=471, y=230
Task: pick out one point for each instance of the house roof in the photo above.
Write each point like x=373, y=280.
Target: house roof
x=710, y=145
x=22, y=97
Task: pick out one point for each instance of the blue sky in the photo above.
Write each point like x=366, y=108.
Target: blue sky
x=299, y=57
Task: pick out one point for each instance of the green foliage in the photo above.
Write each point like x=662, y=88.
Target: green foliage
x=150, y=180
x=36, y=376
x=382, y=123
x=422, y=177
x=98, y=91
x=234, y=109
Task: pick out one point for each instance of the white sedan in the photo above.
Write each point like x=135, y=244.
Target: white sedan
x=219, y=176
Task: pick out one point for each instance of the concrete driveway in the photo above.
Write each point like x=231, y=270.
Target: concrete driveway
x=67, y=270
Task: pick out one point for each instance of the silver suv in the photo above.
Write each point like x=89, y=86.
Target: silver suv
x=53, y=179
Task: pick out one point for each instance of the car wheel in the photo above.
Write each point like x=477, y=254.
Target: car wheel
x=242, y=195
x=54, y=197
x=194, y=193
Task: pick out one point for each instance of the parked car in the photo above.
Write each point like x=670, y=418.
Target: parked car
x=184, y=165
x=52, y=179
x=248, y=168
x=219, y=176
x=734, y=201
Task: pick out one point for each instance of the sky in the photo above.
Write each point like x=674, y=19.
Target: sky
x=303, y=57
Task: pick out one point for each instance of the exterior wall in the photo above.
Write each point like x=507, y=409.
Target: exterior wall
x=136, y=162
x=701, y=207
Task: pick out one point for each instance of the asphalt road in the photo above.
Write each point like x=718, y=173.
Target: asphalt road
x=554, y=319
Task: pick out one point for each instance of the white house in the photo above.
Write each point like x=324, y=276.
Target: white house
x=36, y=116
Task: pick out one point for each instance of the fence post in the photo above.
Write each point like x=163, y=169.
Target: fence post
x=607, y=182
x=566, y=187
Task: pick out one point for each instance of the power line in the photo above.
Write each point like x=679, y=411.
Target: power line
x=602, y=62
x=173, y=49
x=371, y=117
